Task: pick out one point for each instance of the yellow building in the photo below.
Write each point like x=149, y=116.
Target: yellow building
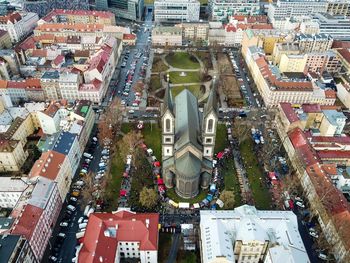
x=12, y=155
x=292, y=63
x=284, y=48
x=5, y=40
x=20, y=129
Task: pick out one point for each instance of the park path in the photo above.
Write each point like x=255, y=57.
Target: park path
x=171, y=68
x=215, y=72
x=174, y=248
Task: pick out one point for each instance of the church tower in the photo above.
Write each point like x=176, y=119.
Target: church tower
x=209, y=124
x=168, y=125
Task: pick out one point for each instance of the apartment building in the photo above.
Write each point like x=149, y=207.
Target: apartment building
x=166, y=36
x=50, y=86
x=12, y=155
x=15, y=249
x=336, y=26
x=338, y=7
x=292, y=63
x=288, y=48
x=343, y=93
x=126, y=234
x=5, y=40
x=56, y=167
x=79, y=16
x=195, y=33
x=51, y=117
x=246, y=234
x=39, y=215
x=323, y=61
x=314, y=43
x=221, y=10
x=176, y=11
x=18, y=25
x=283, y=9
x=276, y=87
x=11, y=190
x=127, y=9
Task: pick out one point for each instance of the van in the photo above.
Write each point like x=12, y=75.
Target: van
x=90, y=212
x=101, y=165
x=82, y=225
x=87, y=155
x=71, y=208
x=86, y=210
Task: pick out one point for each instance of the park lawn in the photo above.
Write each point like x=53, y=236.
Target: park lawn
x=126, y=128
x=114, y=181
x=261, y=194
x=182, y=60
x=195, y=90
x=152, y=136
x=186, y=257
x=220, y=139
x=173, y=196
x=165, y=241
x=191, y=77
x=158, y=65
x=155, y=83
x=231, y=181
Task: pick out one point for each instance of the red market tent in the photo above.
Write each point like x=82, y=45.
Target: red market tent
x=122, y=193
x=272, y=175
x=220, y=155
x=143, y=146
x=160, y=181
x=125, y=174
x=156, y=164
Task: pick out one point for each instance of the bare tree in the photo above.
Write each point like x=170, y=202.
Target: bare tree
x=148, y=197
x=139, y=86
x=228, y=198
x=88, y=189
x=129, y=145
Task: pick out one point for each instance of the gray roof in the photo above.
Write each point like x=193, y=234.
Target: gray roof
x=188, y=164
x=187, y=124
x=168, y=100
x=8, y=244
x=212, y=102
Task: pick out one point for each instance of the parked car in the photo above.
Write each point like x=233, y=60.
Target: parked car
x=63, y=224
x=61, y=235
x=73, y=199
x=71, y=208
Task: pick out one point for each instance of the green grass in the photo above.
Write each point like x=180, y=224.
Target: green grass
x=221, y=138
x=155, y=83
x=186, y=257
x=114, y=182
x=261, y=195
x=158, y=65
x=191, y=77
x=126, y=128
x=203, y=2
x=195, y=90
x=182, y=60
x=231, y=181
x=152, y=136
x=165, y=243
x=173, y=196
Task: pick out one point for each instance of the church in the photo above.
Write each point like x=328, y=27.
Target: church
x=188, y=140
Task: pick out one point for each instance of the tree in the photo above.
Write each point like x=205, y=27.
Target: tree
x=129, y=146
x=228, y=198
x=139, y=86
x=87, y=190
x=148, y=197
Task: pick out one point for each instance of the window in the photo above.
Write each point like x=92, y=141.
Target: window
x=210, y=125
x=167, y=139
x=208, y=140
x=167, y=125
x=167, y=151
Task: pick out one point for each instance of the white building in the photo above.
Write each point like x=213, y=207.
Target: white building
x=176, y=11
x=295, y=8
x=51, y=118
x=167, y=36
x=111, y=237
x=220, y=10
x=336, y=26
x=18, y=25
x=11, y=190
x=343, y=93
x=248, y=235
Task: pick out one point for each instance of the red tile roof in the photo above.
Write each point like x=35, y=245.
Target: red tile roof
x=57, y=12
x=308, y=108
x=39, y=53
x=27, y=221
x=48, y=165
x=345, y=53
x=333, y=154
x=330, y=94
x=129, y=36
x=289, y=112
x=3, y=84
x=13, y=18
x=58, y=60
x=341, y=44
x=331, y=139
x=99, y=241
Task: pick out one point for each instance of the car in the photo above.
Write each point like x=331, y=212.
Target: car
x=75, y=193
x=73, y=199
x=300, y=204
x=53, y=259
x=62, y=235
x=63, y=224
x=131, y=111
x=80, y=220
x=322, y=256
x=313, y=234
x=71, y=208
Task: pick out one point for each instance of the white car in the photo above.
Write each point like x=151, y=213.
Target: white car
x=123, y=102
x=313, y=234
x=300, y=204
x=63, y=224
x=80, y=220
x=131, y=111
x=73, y=199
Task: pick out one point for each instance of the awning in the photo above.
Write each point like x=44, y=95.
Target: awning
x=220, y=155
x=184, y=205
x=272, y=175
x=209, y=197
x=160, y=181
x=125, y=175
x=213, y=187
x=122, y=193
x=220, y=203
x=196, y=206
x=156, y=164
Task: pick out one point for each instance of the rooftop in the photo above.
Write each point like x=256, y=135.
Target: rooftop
x=8, y=244
x=105, y=230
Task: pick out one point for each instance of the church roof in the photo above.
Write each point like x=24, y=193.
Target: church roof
x=188, y=164
x=168, y=100
x=187, y=125
x=212, y=102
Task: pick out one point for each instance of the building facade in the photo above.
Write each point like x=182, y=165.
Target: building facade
x=336, y=26
x=167, y=36
x=15, y=249
x=11, y=190
x=221, y=10
x=188, y=140
x=176, y=11
x=127, y=9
